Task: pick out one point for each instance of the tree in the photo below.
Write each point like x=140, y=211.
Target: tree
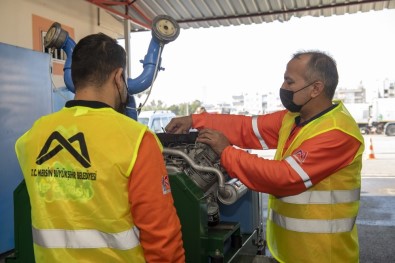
x=194, y=105
x=185, y=108
x=181, y=109
x=155, y=105
x=175, y=109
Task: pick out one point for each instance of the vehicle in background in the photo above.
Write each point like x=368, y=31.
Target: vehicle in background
x=361, y=113
x=377, y=117
x=155, y=120
x=383, y=113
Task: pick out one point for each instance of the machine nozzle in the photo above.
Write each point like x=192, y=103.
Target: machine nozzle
x=55, y=36
x=165, y=29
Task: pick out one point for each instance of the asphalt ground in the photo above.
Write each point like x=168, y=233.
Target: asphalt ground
x=376, y=219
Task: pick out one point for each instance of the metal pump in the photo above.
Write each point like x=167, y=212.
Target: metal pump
x=164, y=30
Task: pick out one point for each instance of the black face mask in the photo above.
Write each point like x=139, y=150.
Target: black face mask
x=287, y=99
x=122, y=106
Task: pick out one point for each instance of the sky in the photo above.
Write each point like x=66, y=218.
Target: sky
x=212, y=64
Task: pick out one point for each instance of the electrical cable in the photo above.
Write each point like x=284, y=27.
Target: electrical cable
x=54, y=88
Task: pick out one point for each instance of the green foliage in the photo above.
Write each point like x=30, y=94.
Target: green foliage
x=178, y=109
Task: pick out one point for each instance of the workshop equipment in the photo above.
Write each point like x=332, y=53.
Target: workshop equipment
x=164, y=30
x=217, y=213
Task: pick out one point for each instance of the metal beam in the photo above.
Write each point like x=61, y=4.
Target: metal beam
x=110, y=6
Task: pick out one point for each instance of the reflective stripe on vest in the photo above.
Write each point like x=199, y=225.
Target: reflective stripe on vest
x=303, y=175
x=324, y=197
x=257, y=134
x=312, y=225
x=87, y=238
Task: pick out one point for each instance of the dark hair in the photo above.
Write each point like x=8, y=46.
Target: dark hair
x=94, y=58
x=321, y=67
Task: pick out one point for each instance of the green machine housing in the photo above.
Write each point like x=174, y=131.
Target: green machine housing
x=201, y=241
x=207, y=236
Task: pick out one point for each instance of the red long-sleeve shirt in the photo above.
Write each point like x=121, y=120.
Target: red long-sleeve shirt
x=323, y=154
x=153, y=210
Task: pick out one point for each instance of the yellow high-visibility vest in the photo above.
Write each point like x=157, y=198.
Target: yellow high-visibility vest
x=76, y=163
x=317, y=225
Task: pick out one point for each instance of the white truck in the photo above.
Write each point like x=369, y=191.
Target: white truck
x=361, y=114
x=383, y=114
x=375, y=117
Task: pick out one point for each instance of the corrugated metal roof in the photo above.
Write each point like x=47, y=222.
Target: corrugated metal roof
x=216, y=13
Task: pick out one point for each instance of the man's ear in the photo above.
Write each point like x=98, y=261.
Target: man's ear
x=318, y=88
x=118, y=76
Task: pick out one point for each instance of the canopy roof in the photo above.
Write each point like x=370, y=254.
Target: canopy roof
x=216, y=13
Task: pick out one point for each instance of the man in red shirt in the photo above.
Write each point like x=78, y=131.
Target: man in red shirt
x=314, y=179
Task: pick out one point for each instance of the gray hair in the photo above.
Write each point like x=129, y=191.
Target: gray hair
x=321, y=67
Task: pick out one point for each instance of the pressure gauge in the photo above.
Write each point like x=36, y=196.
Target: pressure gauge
x=165, y=29
x=55, y=36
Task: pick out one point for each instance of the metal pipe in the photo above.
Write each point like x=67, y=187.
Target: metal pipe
x=142, y=82
x=165, y=30
x=59, y=38
x=221, y=178
x=126, y=29
x=136, y=85
x=147, y=77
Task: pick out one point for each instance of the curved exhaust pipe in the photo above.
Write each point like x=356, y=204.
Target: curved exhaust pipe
x=220, y=176
x=228, y=192
x=151, y=65
x=164, y=30
x=58, y=38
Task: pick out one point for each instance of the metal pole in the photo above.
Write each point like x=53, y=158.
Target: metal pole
x=126, y=26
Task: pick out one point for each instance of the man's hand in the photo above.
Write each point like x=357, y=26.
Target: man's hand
x=215, y=139
x=179, y=125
